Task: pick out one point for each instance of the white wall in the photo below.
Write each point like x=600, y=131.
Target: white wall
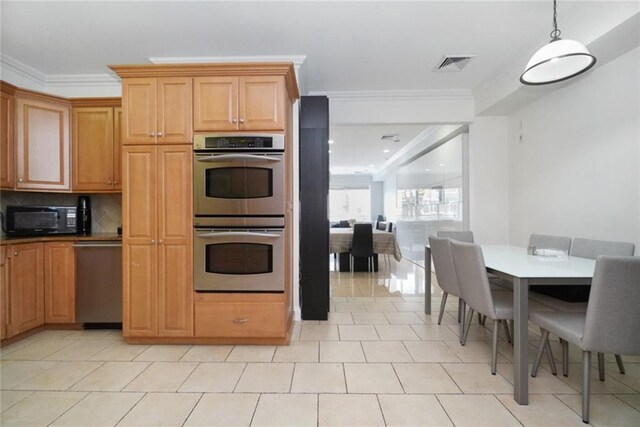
x=488, y=180
x=362, y=180
x=577, y=170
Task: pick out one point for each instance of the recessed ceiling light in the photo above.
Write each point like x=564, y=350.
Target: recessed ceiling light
x=329, y=151
x=371, y=165
x=427, y=170
x=385, y=151
x=331, y=141
x=441, y=164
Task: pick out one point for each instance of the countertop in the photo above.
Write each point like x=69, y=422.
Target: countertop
x=61, y=238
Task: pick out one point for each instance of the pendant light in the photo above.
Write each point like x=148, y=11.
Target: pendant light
x=557, y=61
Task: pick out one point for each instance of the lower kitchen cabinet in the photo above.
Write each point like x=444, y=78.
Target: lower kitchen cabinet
x=59, y=282
x=25, y=302
x=157, y=241
x=4, y=288
x=240, y=319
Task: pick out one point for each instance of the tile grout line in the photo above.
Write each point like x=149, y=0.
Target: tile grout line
x=508, y=410
x=193, y=409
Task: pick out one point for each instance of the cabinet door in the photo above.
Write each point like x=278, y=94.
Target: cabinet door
x=117, y=148
x=59, y=282
x=139, y=106
x=4, y=291
x=175, y=231
x=26, y=285
x=215, y=103
x=93, y=149
x=42, y=149
x=261, y=103
x=174, y=110
x=6, y=141
x=139, y=248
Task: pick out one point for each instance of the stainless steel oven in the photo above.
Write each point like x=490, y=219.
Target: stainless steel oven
x=239, y=174
x=239, y=259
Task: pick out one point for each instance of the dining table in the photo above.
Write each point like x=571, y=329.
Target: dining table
x=524, y=270
x=384, y=243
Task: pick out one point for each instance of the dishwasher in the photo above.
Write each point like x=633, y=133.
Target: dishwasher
x=99, y=283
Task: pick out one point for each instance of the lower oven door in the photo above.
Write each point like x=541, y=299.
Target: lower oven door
x=248, y=260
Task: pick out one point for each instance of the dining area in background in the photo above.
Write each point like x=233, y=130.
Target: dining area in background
x=343, y=238
x=555, y=262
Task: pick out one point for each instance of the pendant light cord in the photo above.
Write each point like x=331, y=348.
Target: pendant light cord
x=555, y=34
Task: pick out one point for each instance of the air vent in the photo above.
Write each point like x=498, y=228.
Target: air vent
x=453, y=63
x=390, y=137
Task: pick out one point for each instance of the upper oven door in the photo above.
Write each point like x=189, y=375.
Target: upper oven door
x=238, y=183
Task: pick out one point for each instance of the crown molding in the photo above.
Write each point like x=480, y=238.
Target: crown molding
x=297, y=60
x=393, y=95
x=58, y=80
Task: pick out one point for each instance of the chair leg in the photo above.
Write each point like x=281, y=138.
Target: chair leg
x=467, y=325
x=506, y=331
x=586, y=384
x=601, y=366
x=543, y=343
x=481, y=319
x=552, y=363
x=620, y=364
x=460, y=309
x=565, y=358
x=494, y=346
x=463, y=306
x=442, y=304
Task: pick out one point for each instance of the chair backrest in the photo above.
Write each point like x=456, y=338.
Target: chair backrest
x=443, y=263
x=343, y=224
x=472, y=277
x=390, y=228
x=587, y=248
x=613, y=318
x=460, y=236
x=381, y=225
x=362, y=245
x=542, y=241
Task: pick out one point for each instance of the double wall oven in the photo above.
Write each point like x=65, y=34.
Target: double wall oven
x=239, y=200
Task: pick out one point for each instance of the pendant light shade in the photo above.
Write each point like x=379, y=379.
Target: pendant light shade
x=557, y=61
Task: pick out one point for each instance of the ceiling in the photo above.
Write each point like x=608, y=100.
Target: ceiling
x=349, y=46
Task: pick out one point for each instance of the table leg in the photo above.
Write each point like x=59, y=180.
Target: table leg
x=427, y=280
x=521, y=340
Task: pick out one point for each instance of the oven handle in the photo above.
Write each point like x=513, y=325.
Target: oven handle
x=223, y=234
x=249, y=157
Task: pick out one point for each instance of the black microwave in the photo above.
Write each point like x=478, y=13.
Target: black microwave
x=41, y=220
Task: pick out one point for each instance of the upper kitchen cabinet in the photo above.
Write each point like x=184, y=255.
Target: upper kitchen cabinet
x=157, y=110
x=96, y=145
x=42, y=142
x=6, y=135
x=239, y=103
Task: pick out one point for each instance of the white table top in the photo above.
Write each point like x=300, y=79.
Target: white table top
x=515, y=262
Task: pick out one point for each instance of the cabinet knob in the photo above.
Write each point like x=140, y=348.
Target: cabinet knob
x=160, y=241
x=241, y=120
x=15, y=253
x=240, y=321
x=234, y=120
x=160, y=134
x=19, y=179
x=115, y=182
x=109, y=182
x=152, y=134
x=153, y=242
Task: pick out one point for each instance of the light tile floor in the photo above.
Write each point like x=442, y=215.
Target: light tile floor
x=379, y=360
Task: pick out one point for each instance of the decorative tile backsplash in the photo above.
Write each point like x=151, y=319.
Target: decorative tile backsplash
x=106, y=209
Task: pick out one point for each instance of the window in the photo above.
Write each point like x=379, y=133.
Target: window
x=350, y=203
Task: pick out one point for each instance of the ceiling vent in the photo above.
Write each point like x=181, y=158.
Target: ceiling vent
x=395, y=137
x=453, y=63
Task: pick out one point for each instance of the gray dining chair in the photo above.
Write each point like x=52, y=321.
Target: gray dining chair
x=543, y=241
x=460, y=236
x=474, y=285
x=446, y=275
x=588, y=248
x=611, y=322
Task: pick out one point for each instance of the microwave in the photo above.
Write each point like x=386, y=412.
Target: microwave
x=41, y=220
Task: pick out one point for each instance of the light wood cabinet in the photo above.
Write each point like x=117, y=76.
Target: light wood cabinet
x=42, y=144
x=157, y=241
x=59, y=282
x=239, y=103
x=6, y=137
x=4, y=291
x=240, y=319
x=157, y=110
x=94, y=150
x=26, y=287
